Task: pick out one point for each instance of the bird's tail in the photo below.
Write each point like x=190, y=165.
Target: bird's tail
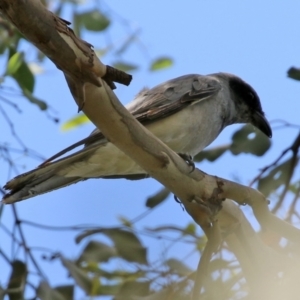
x=24, y=186
x=43, y=179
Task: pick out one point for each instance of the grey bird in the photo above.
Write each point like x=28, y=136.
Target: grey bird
x=187, y=113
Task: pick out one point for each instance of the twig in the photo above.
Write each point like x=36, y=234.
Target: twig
x=293, y=164
x=213, y=243
x=59, y=228
x=2, y=192
x=26, y=248
x=30, y=152
x=10, y=234
x=293, y=205
x=294, y=147
x=12, y=104
x=12, y=128
x=5, y=256
x=285, y=124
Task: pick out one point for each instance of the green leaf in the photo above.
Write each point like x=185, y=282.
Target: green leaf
x=161, y=63
x=247, y=140
x=126, y=67
x=45, y=292
x=25, y=78
x=178, y=267
x=66, y=290
x=190, y=229
x=131, y=289
x=211, y=154
x=17, y=280
x=125, y=221
x=74, y=122
x=89, y=285
x=158, y=198
x=275, y=178
x=116, y=275
x=2, y=293
x=20, y=72
x=294, y=73
x=166, y=293
x=40, y=103
x=127, y=245
x=94, y=20
x=108, y=289
x=87, y=233
x=96, y=251
x=14, y=63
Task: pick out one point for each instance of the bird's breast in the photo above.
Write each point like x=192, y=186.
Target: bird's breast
x=191, y=129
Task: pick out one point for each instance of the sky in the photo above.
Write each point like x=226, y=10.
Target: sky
x=258, y=41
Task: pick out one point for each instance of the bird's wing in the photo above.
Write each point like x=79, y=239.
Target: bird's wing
x=171, y=96
x=156, y=103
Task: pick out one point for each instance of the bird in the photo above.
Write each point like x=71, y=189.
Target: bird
x=187, y=113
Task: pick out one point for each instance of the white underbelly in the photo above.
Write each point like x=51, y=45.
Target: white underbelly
x=107, y=160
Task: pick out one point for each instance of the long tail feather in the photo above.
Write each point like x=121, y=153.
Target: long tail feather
x=45, y=178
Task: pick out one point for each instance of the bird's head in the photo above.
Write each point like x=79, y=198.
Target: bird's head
x=247, y=103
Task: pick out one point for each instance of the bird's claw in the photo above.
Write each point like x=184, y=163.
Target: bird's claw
x=188, y=159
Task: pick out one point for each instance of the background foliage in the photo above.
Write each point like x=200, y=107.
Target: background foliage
x=112, y=260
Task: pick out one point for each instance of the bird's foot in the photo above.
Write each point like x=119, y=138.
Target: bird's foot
x=188, y=159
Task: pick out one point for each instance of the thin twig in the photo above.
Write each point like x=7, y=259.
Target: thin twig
x=30, y=152
x=11, y=103
x=292, y=207
x=5, y=256
x=294, y=148
x=26, y=248
x=213, y=243
x=10, y=234
x=284, y=123
x=12, y=127
x=2, y=192
x=59, y=228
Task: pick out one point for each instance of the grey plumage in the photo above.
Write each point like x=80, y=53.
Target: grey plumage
x=186, y=113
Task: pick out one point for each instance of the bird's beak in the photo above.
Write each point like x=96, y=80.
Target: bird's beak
x=260, y=122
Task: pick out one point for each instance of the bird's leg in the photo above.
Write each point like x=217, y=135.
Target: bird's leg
x=188, y=159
